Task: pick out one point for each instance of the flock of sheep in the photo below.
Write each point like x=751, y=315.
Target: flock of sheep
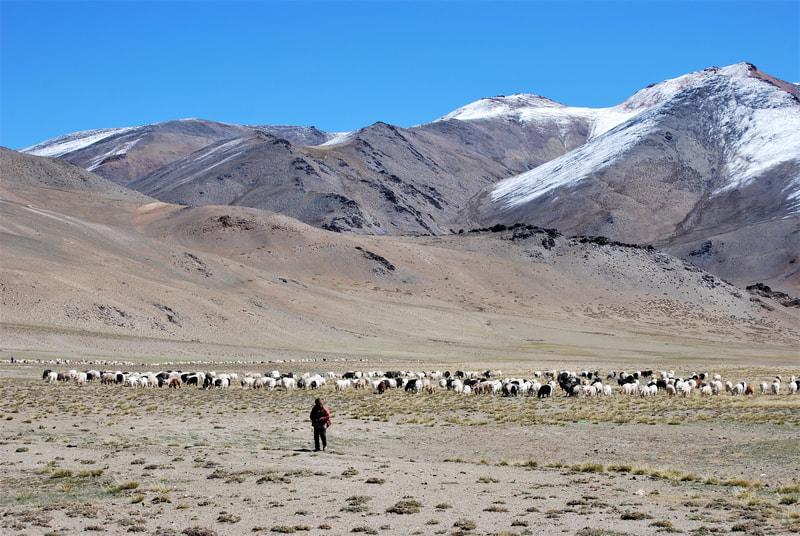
x=543, y=384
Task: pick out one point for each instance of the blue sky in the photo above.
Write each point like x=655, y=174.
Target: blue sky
x=70, y=66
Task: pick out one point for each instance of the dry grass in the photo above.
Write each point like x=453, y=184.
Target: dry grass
x=199, y=430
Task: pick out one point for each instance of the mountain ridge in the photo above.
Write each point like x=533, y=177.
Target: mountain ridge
x=675, y=165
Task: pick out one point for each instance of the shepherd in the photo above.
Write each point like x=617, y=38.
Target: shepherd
x=320, y=420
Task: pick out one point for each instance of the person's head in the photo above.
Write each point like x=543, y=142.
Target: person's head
x=318, y=402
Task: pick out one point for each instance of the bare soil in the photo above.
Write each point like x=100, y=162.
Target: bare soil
x=114, y=460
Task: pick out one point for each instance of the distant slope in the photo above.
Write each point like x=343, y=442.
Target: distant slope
x=123, y=154
x=86, y=269
x=20, y=172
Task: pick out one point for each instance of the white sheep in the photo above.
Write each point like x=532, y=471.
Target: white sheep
x=776, y=386
x=342, y=385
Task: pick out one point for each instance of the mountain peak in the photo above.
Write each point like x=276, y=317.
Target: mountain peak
x=501, y=106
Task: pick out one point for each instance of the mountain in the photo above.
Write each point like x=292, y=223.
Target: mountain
x=705, y=166
x=93, y=270
x=711, y=164
x=121, y=154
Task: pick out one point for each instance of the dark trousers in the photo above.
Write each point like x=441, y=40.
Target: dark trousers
x=320, y=434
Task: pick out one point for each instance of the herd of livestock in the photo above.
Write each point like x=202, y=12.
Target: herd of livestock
x=543, y=384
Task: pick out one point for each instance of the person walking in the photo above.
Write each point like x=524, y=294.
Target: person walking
x=320, y=420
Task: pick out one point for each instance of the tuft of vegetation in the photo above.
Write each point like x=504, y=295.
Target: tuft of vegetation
x=627, y=516
x=465, y=524
x=405, y=506
x=199, y=531
x=365, y=530
x=589, y=467
x=123, y=486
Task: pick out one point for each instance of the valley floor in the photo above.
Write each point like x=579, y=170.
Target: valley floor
x=114, y=460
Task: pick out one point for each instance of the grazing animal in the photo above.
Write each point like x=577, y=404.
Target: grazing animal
x=793, y=386
x=776, y=386
x=413, y=385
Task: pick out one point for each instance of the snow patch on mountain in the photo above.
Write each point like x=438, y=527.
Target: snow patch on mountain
x=768, y=128
x=76, y=141
x=340, y=137
x=535, y=109
x=571, y=168
x=118, y=150
x=762, y=122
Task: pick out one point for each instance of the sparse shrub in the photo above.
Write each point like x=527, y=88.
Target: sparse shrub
x=465, y=524
x=627, y=516
x=90, y=473
x=405, y=506
x=199, y=531
x=350, y=471
x=664, y=526
x=589, y=467
x=124, y=486
x=61, y=473
x=365, y=530
x=356, y=503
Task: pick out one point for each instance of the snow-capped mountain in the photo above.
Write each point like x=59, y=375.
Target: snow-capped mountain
x=680, y=165
x=710, y=158
x=70, y=143
x=122, y=154
x=753, y=124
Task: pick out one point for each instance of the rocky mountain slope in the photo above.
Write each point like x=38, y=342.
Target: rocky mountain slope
x=712, y=164
x=705, y=166
x=93, y=269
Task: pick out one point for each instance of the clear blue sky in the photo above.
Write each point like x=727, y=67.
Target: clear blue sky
x=70, y=66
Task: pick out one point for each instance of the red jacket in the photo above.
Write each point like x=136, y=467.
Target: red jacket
x=320, y=417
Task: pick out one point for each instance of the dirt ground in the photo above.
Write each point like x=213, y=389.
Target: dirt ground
x=115, y=460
